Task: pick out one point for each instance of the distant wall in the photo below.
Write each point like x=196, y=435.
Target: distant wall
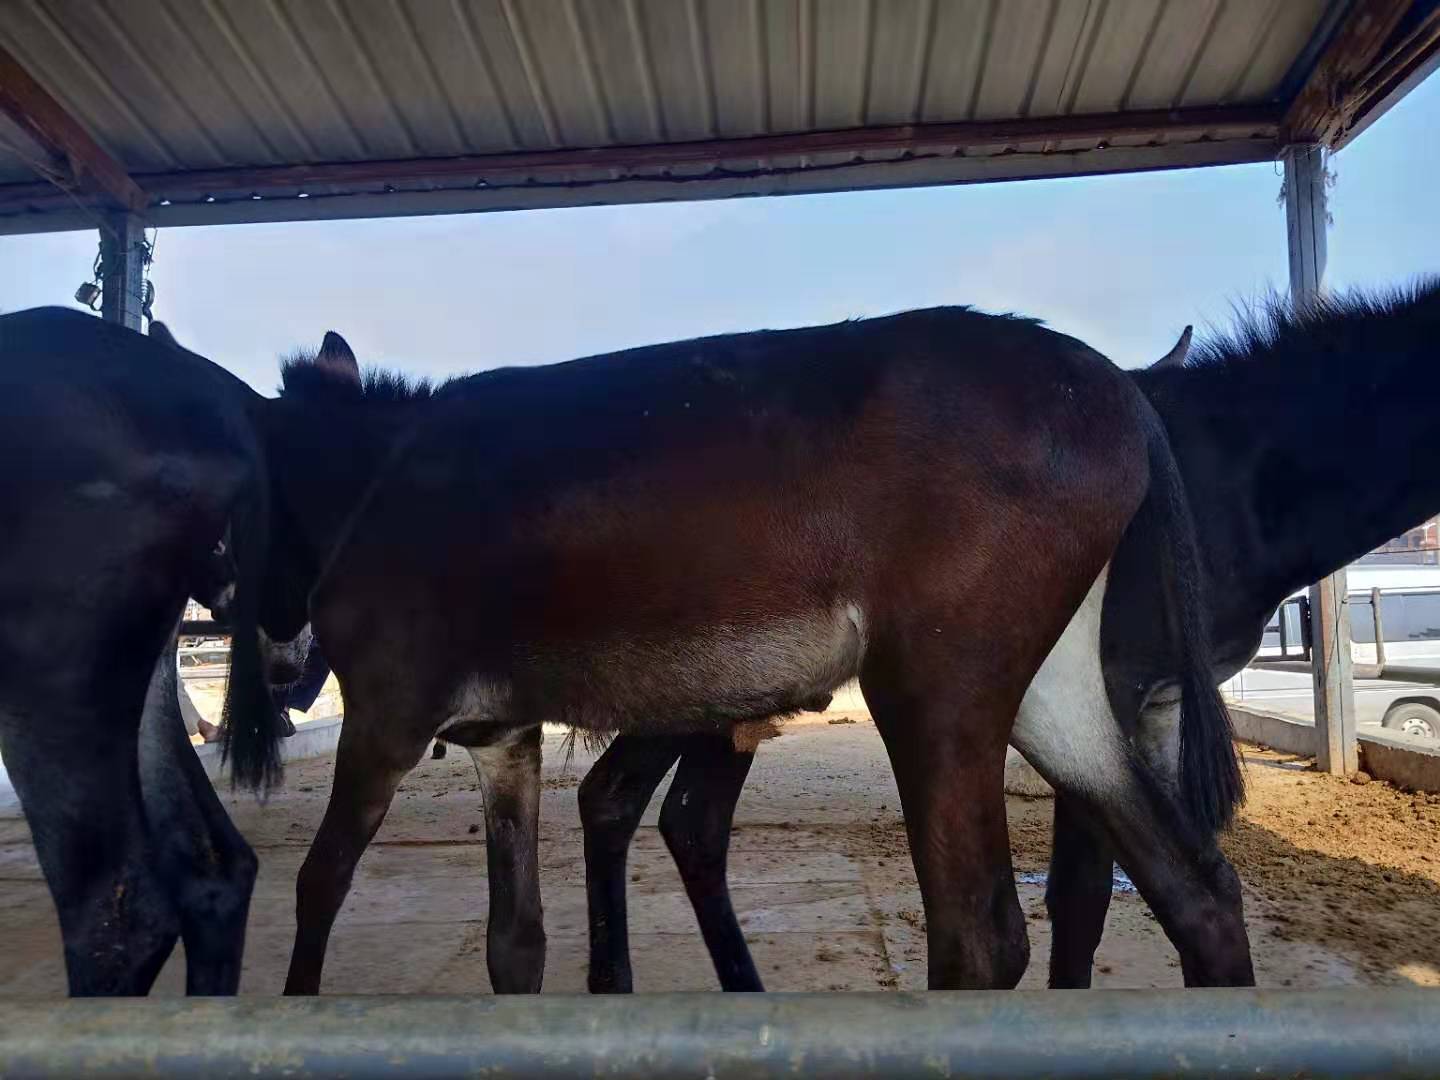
x=1399, y=759
x=1278, y=732
x=1402, y=760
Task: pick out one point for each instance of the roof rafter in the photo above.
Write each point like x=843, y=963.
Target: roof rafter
x=76, y=161
x=1382, y=48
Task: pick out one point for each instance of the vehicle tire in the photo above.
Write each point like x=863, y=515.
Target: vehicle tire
x=1413, y=718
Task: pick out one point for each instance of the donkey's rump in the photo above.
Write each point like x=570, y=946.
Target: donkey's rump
x=136, y=456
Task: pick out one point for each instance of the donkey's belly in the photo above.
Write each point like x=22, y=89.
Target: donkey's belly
x=705, y=680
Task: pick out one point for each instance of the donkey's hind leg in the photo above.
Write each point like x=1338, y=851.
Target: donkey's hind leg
x=613, y=798
x=509, y=770
x=1066, y=729
x=1077, y=893
x=945, y=723
x=695, y=821
x=207, y=863
x=74, y=768
x=1178, y=869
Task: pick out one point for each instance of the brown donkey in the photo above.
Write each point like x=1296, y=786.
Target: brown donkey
x=675, y=539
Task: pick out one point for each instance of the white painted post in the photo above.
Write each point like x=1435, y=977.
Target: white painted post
x=122, y=263
x=1305, y=219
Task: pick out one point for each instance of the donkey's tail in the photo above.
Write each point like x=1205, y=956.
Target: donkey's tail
x=251, y=725
x=1211, y=785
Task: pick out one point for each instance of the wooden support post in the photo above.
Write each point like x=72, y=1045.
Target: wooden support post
x=1305, y=218
x=122, y=262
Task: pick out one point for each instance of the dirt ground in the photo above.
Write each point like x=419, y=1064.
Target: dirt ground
x=1343, y=886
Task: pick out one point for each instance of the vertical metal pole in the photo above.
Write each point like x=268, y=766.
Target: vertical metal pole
x=122, y=260
x=1305, y=218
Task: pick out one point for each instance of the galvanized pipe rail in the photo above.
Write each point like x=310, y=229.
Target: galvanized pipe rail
x=1057, y=1034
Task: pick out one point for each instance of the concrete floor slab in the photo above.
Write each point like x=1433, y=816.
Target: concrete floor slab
x=819, y=867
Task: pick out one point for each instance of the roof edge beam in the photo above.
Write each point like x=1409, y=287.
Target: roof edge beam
x=899, y=139
x=521, y=193
x=61, y=137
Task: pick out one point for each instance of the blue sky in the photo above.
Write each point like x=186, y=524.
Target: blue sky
x=1122, y=262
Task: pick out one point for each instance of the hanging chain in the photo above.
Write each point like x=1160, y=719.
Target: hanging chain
x=147, y=293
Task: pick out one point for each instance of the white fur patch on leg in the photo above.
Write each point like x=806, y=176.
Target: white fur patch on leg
x=1065, y=728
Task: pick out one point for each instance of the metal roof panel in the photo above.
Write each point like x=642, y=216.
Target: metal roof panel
x=172, y=86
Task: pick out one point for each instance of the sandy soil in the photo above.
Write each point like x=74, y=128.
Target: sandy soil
x=1342, y=886
x=1356, y=867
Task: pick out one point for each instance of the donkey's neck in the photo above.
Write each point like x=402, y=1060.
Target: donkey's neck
x=325, y=460
x=1305, y=444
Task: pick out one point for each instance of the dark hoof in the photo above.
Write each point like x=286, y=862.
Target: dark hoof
x=438, y=752
x=208, y=731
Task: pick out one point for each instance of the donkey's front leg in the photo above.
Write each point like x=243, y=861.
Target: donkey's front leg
x=370, y=762
x=509, y=771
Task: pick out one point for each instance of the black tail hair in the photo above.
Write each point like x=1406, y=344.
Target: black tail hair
x=251, y=726
x=1211, y=784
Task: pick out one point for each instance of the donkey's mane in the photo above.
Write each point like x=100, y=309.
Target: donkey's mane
x=302, y=378
x=1272, y=329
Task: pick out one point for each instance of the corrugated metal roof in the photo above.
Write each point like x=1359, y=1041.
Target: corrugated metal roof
x=173, y=86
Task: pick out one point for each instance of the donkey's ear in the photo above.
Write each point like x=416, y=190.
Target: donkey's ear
x=161, y=333
x=1176, y=356
x=336, y=357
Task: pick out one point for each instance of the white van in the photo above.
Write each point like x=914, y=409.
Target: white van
x=1279, y=681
